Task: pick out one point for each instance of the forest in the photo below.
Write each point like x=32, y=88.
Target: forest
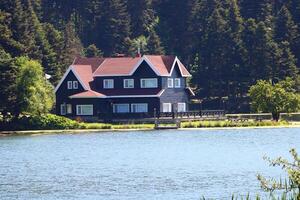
x=227, y=45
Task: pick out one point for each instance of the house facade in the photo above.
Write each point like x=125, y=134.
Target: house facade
x=123, y=87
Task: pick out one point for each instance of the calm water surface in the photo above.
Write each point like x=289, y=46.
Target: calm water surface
x=140, y=165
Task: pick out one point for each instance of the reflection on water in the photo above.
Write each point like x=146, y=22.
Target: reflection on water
x=140, y=165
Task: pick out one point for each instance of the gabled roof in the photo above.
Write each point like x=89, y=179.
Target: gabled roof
x=122, y=66
x=94, y=62
x=85, y=69
x=83, y=73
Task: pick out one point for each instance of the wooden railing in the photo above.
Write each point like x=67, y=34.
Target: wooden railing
x=161, y=115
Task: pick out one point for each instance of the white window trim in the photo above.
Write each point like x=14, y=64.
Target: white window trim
x=75, y=84
x=137, y=104
x=123, y=104
x=109, y=81
x=170, y=82
x=63, y=109
x=177, y=80
x=81, y=114
x=184, y=106
x=169, y=107
x=70, y=85
x=148, y=79
x=124, y=85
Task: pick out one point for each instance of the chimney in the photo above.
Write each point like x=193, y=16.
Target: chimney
x=139, y=52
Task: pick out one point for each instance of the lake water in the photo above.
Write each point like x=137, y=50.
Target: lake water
x=141, y=165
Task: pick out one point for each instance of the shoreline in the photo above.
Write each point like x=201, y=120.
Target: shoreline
x=78, y=131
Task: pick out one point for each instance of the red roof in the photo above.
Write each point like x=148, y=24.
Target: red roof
x=94, y=62
x=85, y=73
x=87, y=68
x=117, y=66
x=87, y=94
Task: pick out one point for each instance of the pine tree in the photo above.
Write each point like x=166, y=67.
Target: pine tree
x=287, y=67
x=115, y=25
x=154, y=45
x=93, y=51
x=285, y=27
x=8, y=73
x=73, y=46
x=6, y=40
x=142, y=17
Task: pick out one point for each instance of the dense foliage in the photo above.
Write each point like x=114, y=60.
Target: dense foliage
x=228, y=45
x=274, y=98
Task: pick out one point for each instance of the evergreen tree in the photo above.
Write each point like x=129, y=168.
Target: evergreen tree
x=142, y=17
x=8, y=73
x=285, y=27
x=6, y=40
x=115, y=25
x=93, y=51
x=73, y=46
x=154, y=45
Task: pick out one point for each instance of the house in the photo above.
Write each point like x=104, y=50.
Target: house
x=123, y=87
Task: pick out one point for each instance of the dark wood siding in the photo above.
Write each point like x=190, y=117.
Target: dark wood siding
x=174, y=95
x=63, y=93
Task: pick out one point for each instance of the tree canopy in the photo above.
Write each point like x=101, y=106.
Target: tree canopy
x=230, y=44
x=274, y=98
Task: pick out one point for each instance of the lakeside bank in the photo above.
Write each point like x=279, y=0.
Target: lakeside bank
x=79, y=131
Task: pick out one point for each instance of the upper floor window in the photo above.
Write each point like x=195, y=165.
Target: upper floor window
x=128, y=83
x=149, y=83
x=72, y=85
x=177, y=83
x=108, y=83
x=170, y=83
x=75, y=84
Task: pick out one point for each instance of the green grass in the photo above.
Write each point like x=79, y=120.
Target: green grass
x=227, y=123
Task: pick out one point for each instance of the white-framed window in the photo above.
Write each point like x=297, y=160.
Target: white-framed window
x=139, y=108
x=108, y=83
x=69, y=108
x=167, y=107
x=70, y=85
x=177, y=83
x=181, y=107
x=149, y=83
x=128, y=83
x=84, y=109
x=75, y=84
x=63, y=109
x=170, y=83
x=121, y=108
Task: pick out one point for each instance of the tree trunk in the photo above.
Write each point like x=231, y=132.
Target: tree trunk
x=276, y=116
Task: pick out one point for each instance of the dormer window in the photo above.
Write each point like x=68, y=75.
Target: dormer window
x=128, y=83
x=75, y=84
x=170, y=83
x=108, y=83
x=177, y=83
x=149, y=83
x=70, y=85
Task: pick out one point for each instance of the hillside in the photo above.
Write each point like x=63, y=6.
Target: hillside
x=228, y=45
